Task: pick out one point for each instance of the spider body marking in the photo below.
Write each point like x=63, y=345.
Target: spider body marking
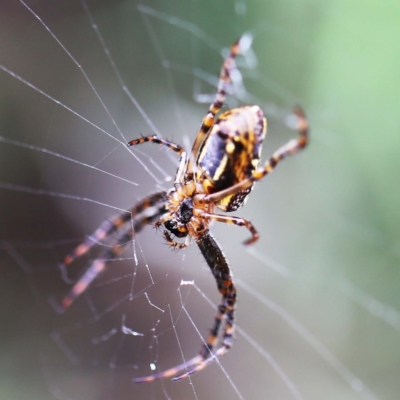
x=230, y=153
x=218, y=173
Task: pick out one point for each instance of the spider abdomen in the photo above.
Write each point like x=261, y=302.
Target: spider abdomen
x=231, y=152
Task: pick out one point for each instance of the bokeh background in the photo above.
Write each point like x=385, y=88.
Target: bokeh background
x=318, y=294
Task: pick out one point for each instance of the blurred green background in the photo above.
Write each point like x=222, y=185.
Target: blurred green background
x=319, y=292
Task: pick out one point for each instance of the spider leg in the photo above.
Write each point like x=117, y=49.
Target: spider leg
x=109, y=227
x=155, y=139
x=200, y=365
x=290, y=148
x=225, y=81
x=105, y=229
x=226, y=310
x=173, y=146
x=227, y=219
x=95, y=269
x=219, y=266
x=143, y=213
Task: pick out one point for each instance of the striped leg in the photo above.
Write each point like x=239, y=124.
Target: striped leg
x=226, y=310
x=95, y=269
x=219, y=266
x=227, y=219
x=225, y=81
x=173, y=146
x=155, y=139
x=109, y=227
x=290, y=148
x=145, y=212
x=105, y=229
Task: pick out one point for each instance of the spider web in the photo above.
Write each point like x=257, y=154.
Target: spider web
x=318, y=310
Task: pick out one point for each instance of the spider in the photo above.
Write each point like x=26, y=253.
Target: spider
x=219, y=172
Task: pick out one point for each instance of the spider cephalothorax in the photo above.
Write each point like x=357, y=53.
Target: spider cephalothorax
x=187, y=213
x=218, y=173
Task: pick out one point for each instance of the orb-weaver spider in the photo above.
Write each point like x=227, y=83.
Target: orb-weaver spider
x=219, y=172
